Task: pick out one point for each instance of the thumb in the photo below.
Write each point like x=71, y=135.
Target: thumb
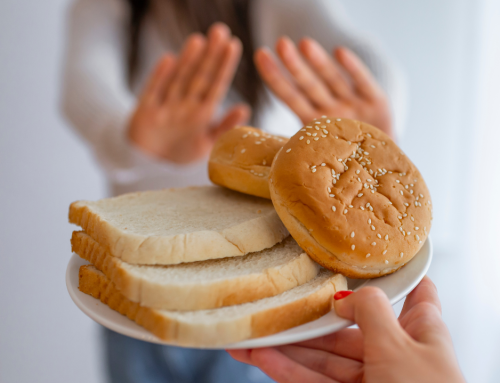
x=237, y=115
x=371, y=310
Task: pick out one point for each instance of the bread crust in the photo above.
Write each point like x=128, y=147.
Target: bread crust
x=171, y=328
x=351, y=199
x=241, y=160
x=262, y=230
x=197, y=295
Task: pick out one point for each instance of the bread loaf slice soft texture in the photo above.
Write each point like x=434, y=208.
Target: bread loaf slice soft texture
x=207, y=284
x=217, y=327
x=180, y=225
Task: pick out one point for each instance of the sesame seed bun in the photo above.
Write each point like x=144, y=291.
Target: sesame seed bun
x=351, y=198
x=241, y=160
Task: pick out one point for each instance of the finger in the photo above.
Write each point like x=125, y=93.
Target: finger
x=424, y=292
x=218, y=37
x=160, y=78
x=326, y=67
x=187, y=64
x=242, y=356
x=305, y=78
x=336, y=367
x=284, y=370
x=370, y=309
x=281, y=86
x=238, y=115
x=225, y=74
x=347, y=343
x=363, y=81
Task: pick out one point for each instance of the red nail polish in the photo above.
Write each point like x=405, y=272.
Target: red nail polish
x=342, y=294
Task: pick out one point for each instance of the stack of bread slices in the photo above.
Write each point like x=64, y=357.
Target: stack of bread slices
x=199, y=266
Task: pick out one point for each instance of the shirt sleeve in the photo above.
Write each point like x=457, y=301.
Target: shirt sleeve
x=96, y=98
x=327, y=22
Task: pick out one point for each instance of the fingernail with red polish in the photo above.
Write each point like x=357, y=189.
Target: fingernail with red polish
x=342, y=294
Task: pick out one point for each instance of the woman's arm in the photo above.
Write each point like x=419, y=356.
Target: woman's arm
x=326, y=22
x=95, y=95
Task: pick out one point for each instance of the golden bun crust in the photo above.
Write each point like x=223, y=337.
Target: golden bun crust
x=241, y=160
x=351, y=198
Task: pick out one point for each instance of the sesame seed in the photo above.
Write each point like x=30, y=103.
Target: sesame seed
x=264, y=162
x=325, y=131
x=374, y=243
x=369, y=221
x=401, y=192
x=373, y=146
x=301, y=138
x=416, y=228
x=329, y=189
x=288, y=150
x=351, y=206
x=383, y=142
x=328, y=121
x=360, y=195
x=339, y=160
x=401, y=255
x=386, y=261
x=358, y=171
x=334, y=208
x=323, y=116
x=362, y=208
x=397, y=181
x=378, y=235
x=245, y=136
x=317, y=122
x=385, y=251
x=308, y=142
x=352, y=234
x=348, y=142
x=419, y=241
x=373, y=191
x=308, y=127
x=416, y=203
x=308, y=133
x=323, y=135
x=369, y=135
x=353, y=247
x=316, y=138
x=313, y=170
x=405, y=215
x=302, y=130
x=386, y=237
x=332, y=195
x=408, y=232
x=315, y=134
x=411, y=191
x=417, y=237
x=258, y=142
x=406, y=204
x=345, y=211
x=373, y=227
x=316, y=129
x=421, y=195
x=413, y=219
x=367, y=255
x=243, y=150
x=323, y=164
x=338, y=119
x=256, y=134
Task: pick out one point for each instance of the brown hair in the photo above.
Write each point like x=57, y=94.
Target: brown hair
x=198, y=16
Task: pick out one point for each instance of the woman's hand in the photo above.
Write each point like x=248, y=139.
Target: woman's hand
x=173, y=118
x=317, y=85
x=417, y=349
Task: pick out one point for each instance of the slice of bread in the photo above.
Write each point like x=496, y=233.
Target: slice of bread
x=203, y=285
x=180, y=225
x=210, y=328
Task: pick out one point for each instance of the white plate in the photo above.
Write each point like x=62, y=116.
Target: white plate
x=396, y=286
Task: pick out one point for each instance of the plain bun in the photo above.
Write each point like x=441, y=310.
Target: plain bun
x=351, y=198
x=241, y=160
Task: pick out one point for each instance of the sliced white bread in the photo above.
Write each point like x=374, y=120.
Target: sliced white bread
x=207, y=284
x=217, y=327
x=180, y=225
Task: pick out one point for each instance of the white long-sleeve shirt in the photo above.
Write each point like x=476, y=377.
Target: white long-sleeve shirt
x=98, y=102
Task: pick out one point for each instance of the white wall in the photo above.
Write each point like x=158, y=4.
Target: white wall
x=43, y=167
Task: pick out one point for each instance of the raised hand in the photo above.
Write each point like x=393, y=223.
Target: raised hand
x=173, y=119
x=313, y=84
x=415, y=349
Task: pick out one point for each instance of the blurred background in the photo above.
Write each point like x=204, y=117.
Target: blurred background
x=449, y=51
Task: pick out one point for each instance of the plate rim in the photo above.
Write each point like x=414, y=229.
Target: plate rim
x=133, y=330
